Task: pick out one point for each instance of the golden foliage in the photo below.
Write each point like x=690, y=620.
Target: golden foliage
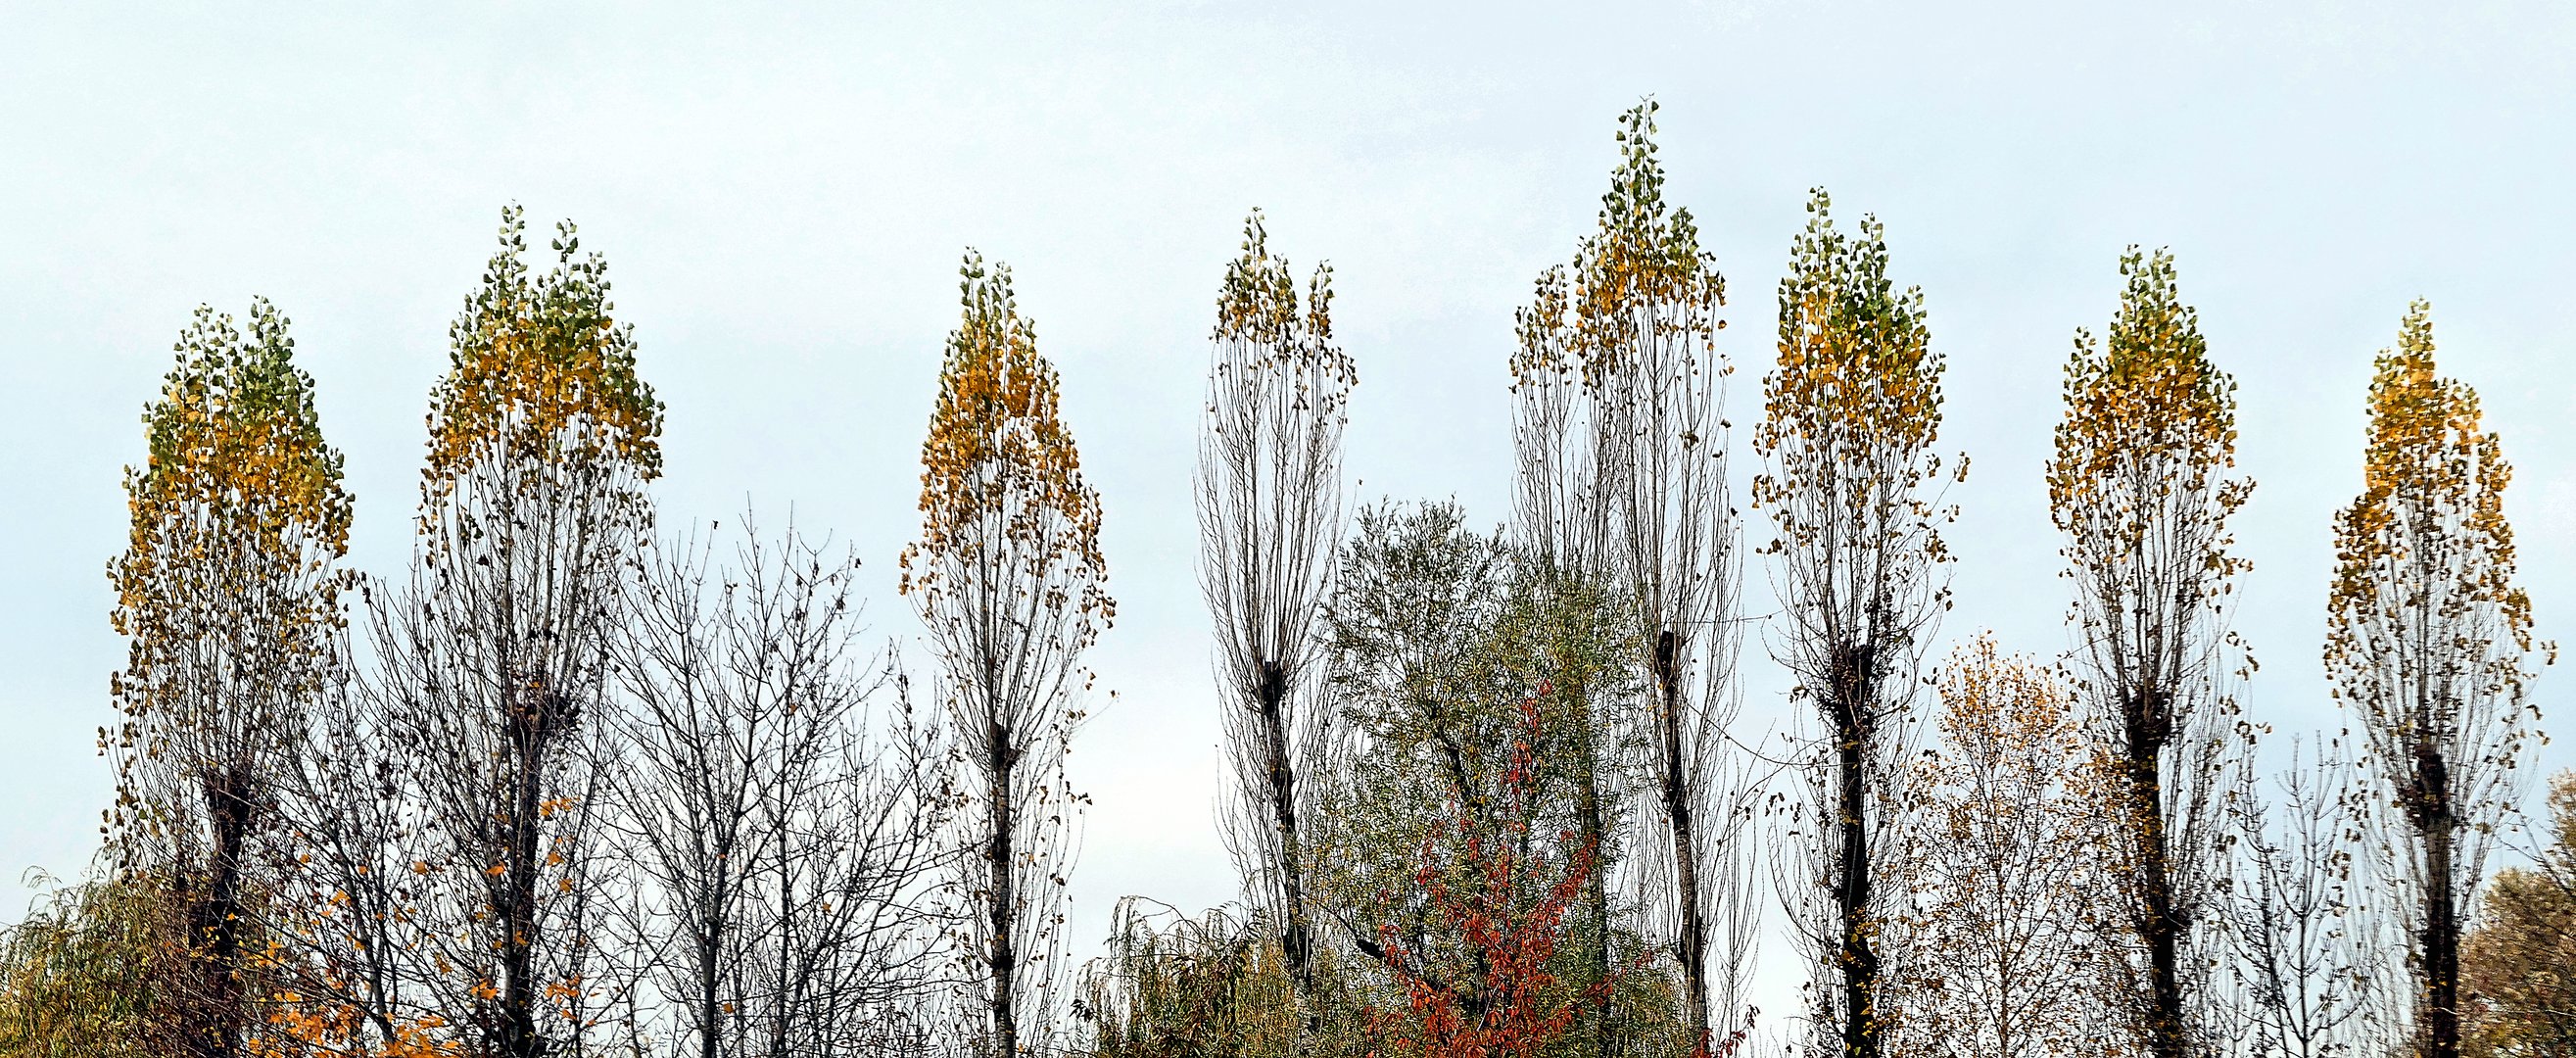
x=1002, y=491
x=540, y=373
x=236, y=519
x=2518, y=968
x=2150, y=423
x=1853, y=404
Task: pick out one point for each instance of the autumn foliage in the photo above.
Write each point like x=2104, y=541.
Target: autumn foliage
x=565, y=787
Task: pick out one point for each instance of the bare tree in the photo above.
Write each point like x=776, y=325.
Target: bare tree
x=783, y=843
x=2136, y=485
x=1269, y=508
x=2427, y=639
x=2310, y=976
x=2003, y=864
x=1007, y=578
x=1852, y=409
x=229, y=594
x=1622, y=476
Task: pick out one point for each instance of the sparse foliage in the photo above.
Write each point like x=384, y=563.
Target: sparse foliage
x=1853, y=488
x=2137, y=486
x=2427, y=639
x=2003, y=870
x=1269, y=508
x=2309, y=984
x=2518, y=967
x=1621, y=477
x=783, y=837
x=1008, y=580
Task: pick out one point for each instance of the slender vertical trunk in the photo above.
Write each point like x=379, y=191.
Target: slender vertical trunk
x=710, y=966
x=1596, y=898
x=1850, y=711
x=2432, y=816
x=2149, y=723
x=533, y=734
x=1293, y=940
x=1693, y=941
x=1001, y=911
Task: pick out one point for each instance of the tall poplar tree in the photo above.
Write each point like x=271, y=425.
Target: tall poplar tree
x=1619, y=439
x=493, y=665
x=1269, y=508
x=1008, y=580
x=2427, y=642
x=1851, y=411
x=229, y=594
x=2137, y=484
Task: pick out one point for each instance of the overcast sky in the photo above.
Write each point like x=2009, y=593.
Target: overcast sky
x=783, y=197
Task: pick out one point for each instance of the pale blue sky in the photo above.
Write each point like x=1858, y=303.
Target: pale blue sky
x=783, y=197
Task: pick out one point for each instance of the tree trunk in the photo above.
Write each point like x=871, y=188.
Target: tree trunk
x=214, y=934
x=1693, y=941
x=2160, y=925
x=1000, y=911
x=534, y=733
x=1850, y=713
x=1293, y=938
x=2430, y=811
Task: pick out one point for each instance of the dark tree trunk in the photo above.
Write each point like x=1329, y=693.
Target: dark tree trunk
x=2149, y=726
x=1293, y=940
x=1001, y=911
x=1596, y=897
x=1851, y=709
x=214, y=922
x=538, y=723
x=2429, y=809
x=1693, y=941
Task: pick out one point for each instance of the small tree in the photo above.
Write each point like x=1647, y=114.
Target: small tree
x=2516, y=981
x=1269, y=507
x=2003, y=867
x=1007, y=578
x=782, y=842
x=1850, y=414
x=2310, y=975
x=229, y=593
x=2426, y=640
x=1503, y=891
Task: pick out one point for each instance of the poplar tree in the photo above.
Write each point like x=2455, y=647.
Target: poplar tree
x=2427, y=642
x=1008, y=579
x=493, y=672
x=1269, y=509
x=229, y=594
x=1621, y=480
x=2137, y=486
x=1850, y=414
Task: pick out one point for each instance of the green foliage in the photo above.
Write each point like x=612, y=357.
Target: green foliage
x=1443, y=654
x=77, y=974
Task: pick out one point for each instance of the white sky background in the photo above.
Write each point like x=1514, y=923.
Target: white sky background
x=783, y=197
